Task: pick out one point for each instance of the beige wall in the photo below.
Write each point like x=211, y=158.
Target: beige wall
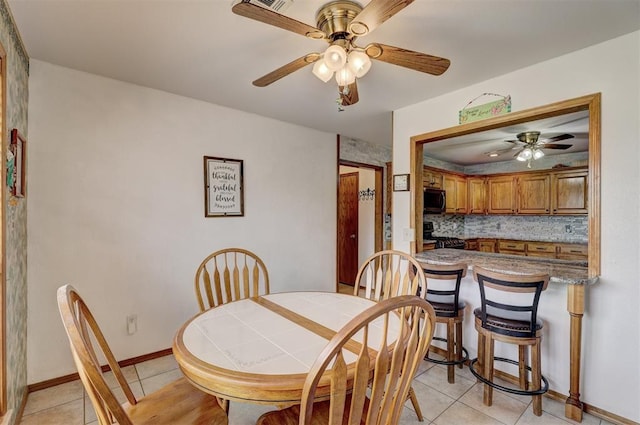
x=611, y=336
x=116, y=206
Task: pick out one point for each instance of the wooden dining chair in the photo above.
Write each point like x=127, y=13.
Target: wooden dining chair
x=176, y=403
x=369, y=376
x=228, y=275
x=388, y=274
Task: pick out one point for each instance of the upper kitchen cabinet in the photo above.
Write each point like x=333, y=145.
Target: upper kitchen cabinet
x=501, y=192
x=534, y=195
x=431, y=178
x=477, y=195
x=569, y=192
x=455, y=187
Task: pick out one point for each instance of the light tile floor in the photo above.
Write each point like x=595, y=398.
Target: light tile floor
x=441, y=403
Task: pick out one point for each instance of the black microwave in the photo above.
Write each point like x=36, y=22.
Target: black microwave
x=434, y=200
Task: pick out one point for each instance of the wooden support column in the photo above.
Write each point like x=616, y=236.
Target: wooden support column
x=575, y=305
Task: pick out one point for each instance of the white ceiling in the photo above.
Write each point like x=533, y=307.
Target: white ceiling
x=200, y=49
x=473, y=148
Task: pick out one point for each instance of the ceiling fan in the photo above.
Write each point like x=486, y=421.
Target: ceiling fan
x=340, y=23
x=533, y=146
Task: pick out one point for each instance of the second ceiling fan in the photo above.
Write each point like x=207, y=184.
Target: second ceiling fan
x=339, y=23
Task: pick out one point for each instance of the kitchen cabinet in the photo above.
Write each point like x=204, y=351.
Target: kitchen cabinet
x=541, y=249
x=501, y=191
x=471, y=244
x=477, y=195
x=534, y=194
x=455, y=187
x=572, y=252
x=431, y=178
x=487, y=245
x=569, y=192
x=506, y=246
x=428, y=245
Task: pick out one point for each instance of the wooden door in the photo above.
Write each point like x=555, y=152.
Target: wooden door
x=348, y=228
x=461, y=195
x=502, y=195
x=534, y=194
x=449, y=185
x=477, y=195
x=569, y=192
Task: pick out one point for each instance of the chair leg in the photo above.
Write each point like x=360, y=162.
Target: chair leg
x=522, y=366
x=416, y=405
x=451, y=355
x=488, y=370
x=536, y=376
x=459, y=343
x=480, y=362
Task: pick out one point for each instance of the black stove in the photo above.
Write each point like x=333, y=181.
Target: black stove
x=448, y=242
x=441, y=241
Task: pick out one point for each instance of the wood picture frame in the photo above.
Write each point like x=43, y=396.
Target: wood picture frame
x=401, y=182
x=223, y=187
x=18, y=148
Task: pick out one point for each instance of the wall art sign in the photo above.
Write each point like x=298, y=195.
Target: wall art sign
x=17, y=149
x=488, y=110
x=223, y=187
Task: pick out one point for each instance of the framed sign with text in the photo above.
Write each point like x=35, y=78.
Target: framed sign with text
x=223, y=187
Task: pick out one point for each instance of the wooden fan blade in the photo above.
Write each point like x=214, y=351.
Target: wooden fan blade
x=374, y=14
x=408, y=58
x=350, y=96
x=287, y=69
x=555, y=146
x=258, y=13
x=564, y=136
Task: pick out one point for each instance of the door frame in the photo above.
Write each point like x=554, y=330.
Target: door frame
x=3, y=231
x=378, y=198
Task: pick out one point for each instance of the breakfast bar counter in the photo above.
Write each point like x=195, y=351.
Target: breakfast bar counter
x=570, y=274
x=559, y=271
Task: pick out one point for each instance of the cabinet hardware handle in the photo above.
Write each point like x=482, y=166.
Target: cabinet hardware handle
x=575, y=252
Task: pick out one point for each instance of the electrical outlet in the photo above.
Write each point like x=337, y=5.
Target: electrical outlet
x=498, y=226
x=568, y=228
x=132, y=324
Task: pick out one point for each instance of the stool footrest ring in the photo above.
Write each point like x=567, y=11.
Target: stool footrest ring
x=544, y=389
x=465, y=356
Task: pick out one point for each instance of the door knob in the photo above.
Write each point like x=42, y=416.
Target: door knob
x=352, y=236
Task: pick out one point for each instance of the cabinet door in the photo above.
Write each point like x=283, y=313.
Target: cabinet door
x=569, y=192
x=477, y=190
x=449, y=185
x=502, y=195
x=461, y=195
x=534, y=195
x=486, y=245
x=431, y=178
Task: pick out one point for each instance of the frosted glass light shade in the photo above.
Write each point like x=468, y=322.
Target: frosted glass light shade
x=537, y=154
x=525, y=154
x=345, y=76
x=335, y=57
x=359, y=63
x=321, y=71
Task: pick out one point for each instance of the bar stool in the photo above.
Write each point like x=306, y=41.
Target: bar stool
x=449, y=310
x=514, y=323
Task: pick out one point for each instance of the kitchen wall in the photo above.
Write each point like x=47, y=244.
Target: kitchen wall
x=609, y=381
x=116, y=207
x=15, y=237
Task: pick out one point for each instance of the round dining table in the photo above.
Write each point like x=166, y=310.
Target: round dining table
x=260, y=349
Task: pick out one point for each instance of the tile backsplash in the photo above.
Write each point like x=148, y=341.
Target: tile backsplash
x=569, y=228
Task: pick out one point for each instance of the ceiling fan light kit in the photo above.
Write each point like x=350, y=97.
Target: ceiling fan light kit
x=339, y=23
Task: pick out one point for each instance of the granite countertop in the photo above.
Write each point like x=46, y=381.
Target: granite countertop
x=559, y=271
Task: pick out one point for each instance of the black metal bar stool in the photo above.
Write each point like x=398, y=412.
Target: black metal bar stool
x=449, y=310
x=513, y=322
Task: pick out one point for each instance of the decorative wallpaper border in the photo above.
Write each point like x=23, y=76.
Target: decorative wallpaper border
x=6, y=16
